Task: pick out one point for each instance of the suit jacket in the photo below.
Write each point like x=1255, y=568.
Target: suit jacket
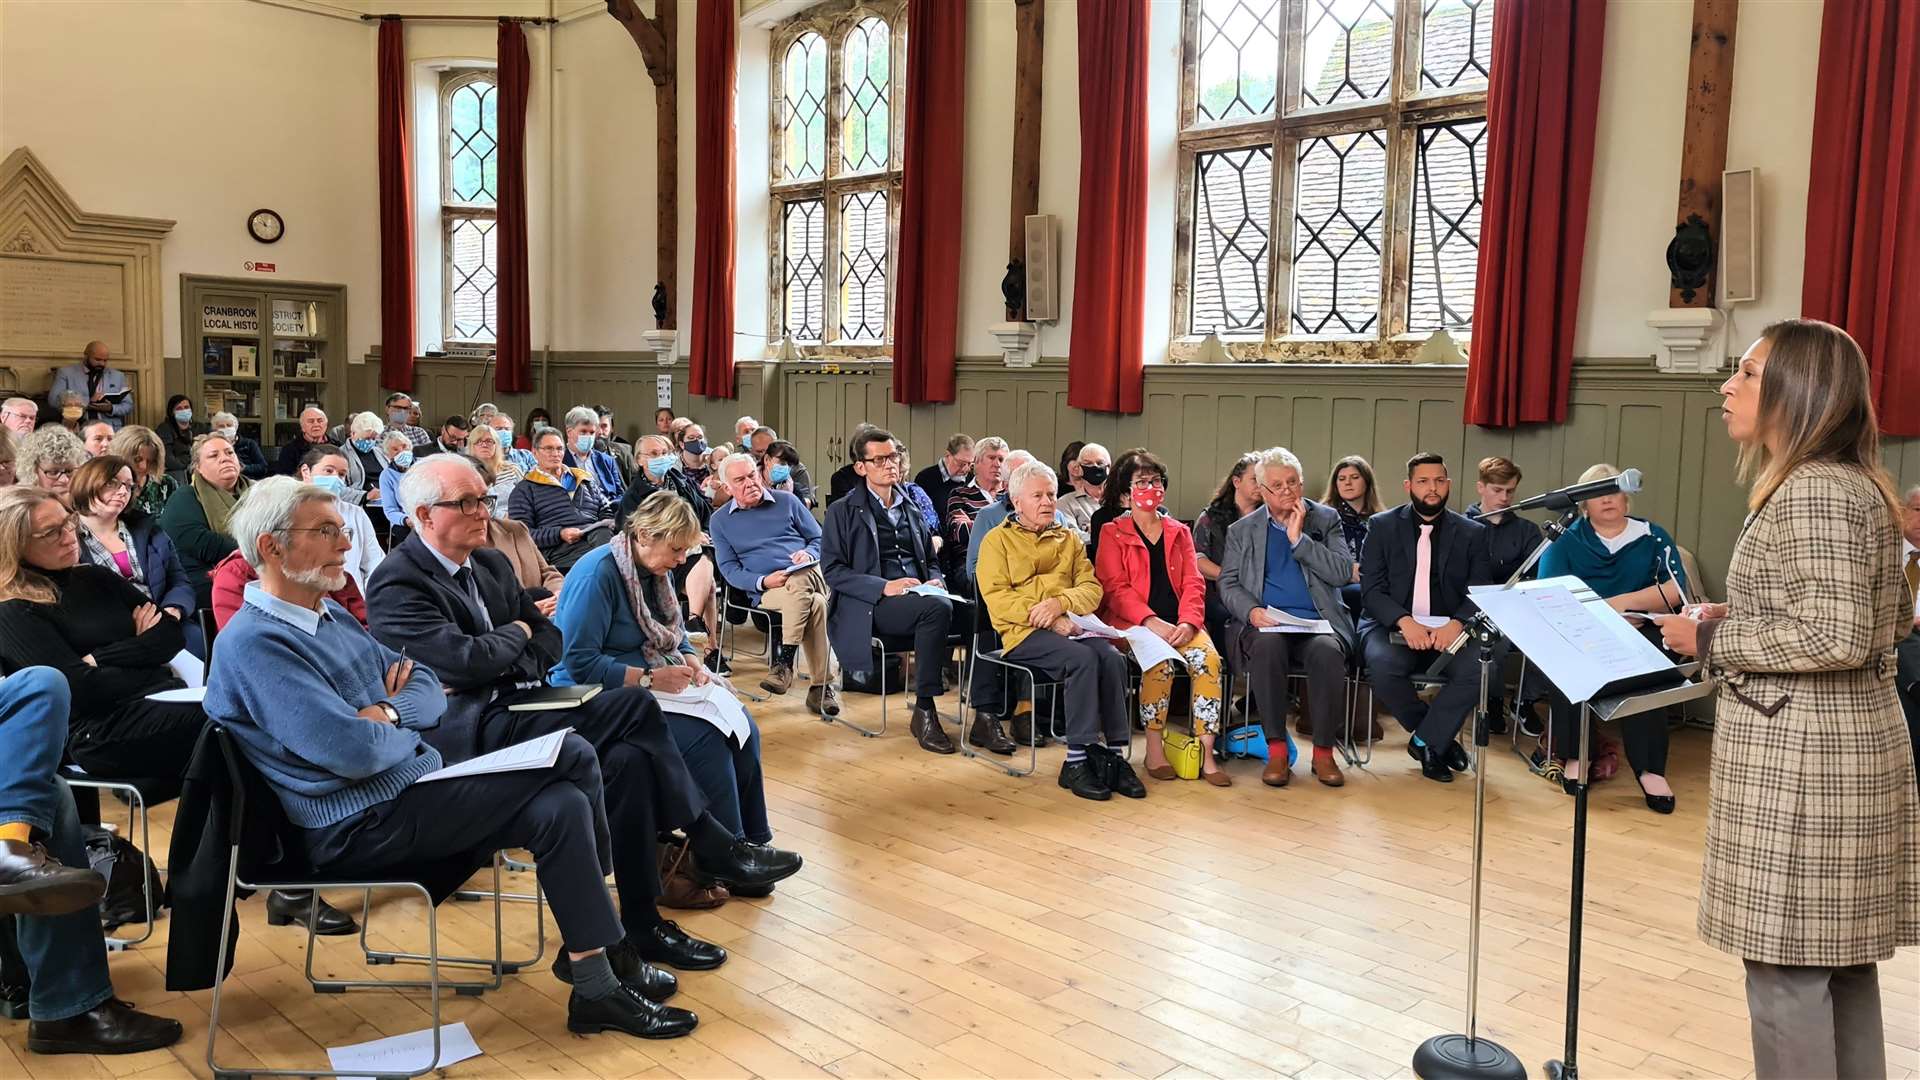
x=1322, y=553
x=415, y=605
x=1460, y=558
x=73, y=379
x=850, y=558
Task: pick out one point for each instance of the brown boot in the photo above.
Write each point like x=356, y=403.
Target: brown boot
x=1327, y=771
x=1277, y=772
x=679, y=888
x=779, y=679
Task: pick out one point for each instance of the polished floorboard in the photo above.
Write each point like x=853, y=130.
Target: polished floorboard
x=954, y=922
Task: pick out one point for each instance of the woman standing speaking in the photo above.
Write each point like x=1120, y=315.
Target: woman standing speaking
x=1812, y=870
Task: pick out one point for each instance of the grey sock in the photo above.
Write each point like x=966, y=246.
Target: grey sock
x=593, y=977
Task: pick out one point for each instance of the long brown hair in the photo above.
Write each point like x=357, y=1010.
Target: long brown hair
x=18, y=581
x=1816, y=403
x=1368, y=505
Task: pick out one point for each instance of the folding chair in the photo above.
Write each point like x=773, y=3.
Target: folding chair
x=136, y=800
x=734, y=602
x=1035, y=683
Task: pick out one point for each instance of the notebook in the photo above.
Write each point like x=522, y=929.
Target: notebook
x=553, y=697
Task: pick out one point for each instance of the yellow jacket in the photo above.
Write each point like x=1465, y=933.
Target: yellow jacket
x=1019, y=568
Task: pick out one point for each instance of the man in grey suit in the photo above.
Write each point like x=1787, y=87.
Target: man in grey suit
x=102, y=390
x=1291, y=556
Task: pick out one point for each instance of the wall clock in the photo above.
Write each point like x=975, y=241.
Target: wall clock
x=266, y=226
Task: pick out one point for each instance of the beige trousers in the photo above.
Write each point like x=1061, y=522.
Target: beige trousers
x=802, y=604
x=1816, y=1023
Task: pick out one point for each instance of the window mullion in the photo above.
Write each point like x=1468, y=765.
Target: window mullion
x=1397, y=254
x=1285, y=172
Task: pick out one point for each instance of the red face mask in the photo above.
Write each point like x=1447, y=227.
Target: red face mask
x=1148, y=499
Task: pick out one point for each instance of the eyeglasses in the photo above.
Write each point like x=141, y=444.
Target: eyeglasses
x=470, y=505
x=65, y=473
x=70, y=524
x=112, y=486
x=890, y=459
x=327, y=533
x=1282, y=486
x=1150, y=483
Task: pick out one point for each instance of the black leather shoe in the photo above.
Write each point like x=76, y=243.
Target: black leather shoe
x=748, y=864
x=1116, y=773
x=111, y=1027
x=987, y=734
x=928, y=733
x=1433, y=766
x=717, y=663
x=654, y=984
x=1456, y=757
x=33, y=882
x=1659, y=804
x=1025, y=731
x=1083, y=779
x=750, y=892
x=625, y=1010
x=290, y=909
x=668, y=944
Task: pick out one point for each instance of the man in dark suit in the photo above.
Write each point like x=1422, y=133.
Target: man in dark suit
x=1416, y=565
x=454, y=605
x=874, y=548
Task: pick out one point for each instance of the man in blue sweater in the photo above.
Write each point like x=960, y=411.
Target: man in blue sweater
x=347, y=764
x=768, y=546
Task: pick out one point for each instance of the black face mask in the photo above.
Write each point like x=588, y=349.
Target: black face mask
x=1094, y=474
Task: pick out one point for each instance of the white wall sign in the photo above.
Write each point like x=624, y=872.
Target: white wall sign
x=664, y=393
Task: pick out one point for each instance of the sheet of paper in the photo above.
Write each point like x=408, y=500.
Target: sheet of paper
x=1433, y=622
x=1294, y=624
x=191, y=695
x=1150, y=649
x=713, y=703
x=537, y=753
x=404, y=1053
x=924, y=589
x=1579, y=645
x=189, y=668
x=1092, y=626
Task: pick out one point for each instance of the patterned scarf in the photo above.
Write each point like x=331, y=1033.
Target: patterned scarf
x=217, y=504
x=662, y=639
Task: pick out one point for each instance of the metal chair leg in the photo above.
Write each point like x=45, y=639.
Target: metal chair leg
x=136, y=815
x=498, y=965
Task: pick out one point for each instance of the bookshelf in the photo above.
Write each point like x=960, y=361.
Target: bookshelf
x=262, y=351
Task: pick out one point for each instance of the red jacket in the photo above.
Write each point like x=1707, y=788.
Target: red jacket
x=230, y=579
x=1126, y=573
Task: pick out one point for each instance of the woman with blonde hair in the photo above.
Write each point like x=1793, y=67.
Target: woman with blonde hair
x=485, y=447
x=1812, y=869
x=142, y=449
x=196, y=516
x=48, y=458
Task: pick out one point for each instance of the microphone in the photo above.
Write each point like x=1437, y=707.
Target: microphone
x=1564, y=498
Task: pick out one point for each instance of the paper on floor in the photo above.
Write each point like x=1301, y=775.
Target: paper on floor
x=403, y=1053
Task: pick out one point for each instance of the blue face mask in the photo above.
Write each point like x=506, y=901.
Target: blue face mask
x=695, y=446
x=657, y=467
x=365, y=446
x=780, y=474
x=403, y=459
x=183, y=416
x=583, y=444
x=330, y=484
x=397, y=416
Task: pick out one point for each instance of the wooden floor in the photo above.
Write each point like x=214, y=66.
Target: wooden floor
x=953, y=922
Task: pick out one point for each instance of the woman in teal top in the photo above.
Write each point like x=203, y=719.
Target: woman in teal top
x=1636, y=566
x=622, y=625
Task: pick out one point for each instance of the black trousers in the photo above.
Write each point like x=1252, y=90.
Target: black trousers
x=987, y=688
x=1644, y=736
x=555, y=813
x=928, y=619
x=1390, y=669
x=1095, y=675
x=1269, y=658
x=140, y=739
x=648, y=786
x=563, y=556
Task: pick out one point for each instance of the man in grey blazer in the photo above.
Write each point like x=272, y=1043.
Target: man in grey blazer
x=1289, y=555
x=102, y=390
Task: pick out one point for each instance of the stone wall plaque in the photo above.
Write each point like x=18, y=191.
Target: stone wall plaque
x=55, y=307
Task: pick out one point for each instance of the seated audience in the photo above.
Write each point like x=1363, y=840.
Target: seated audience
x=845, y=480
x=398, y=454
x=1510, y=537
x=71, y=408
x=343, y=766
x=1419, y=559
x=326, y=468
x=583, y=431
x=1907, y=652
x=560, y=505
x=1635, y=565
x=743, y=429
x=20, y=415
x=874, y=548
x=660, y=471
x=152, y=487
x=403, y=415
x=1352, y=494
x=96, y=437
x=987, y=691
x=1237, y=496
x=921, y=501
x=537, y=417
x=455, y=605
x=452, y=438
x=195, y=516
x=777, y=461
x=366, y=460
x=313, y=436
x=1070, y=466
x=950, y=471
x=1290, y=555
x=1033, y=574
x=997, y=511
x=677, y=429
x=487, y=448
x=621, y=624
x=110, y=640
x=767, y=545
x=139, y=551
x=234, y=574
x=91, y=381
x=177, y=434
x=694, y=458
x=1148, y=577
x=611, y=442
x=49, y=457
x=1113, y=499
x=988, y=484
x=50, y=893
x=489, y=415
x=1089, y=485
x=663, y=422
x=9, y=475
x=253, y=460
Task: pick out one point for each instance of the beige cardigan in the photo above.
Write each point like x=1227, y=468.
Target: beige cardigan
x=511, y=538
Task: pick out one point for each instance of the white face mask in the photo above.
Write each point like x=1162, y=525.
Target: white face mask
x=229, y=433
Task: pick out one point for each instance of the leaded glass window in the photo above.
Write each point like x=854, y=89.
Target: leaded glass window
x=469, y=185
x=835, y=174
x=1356, y=128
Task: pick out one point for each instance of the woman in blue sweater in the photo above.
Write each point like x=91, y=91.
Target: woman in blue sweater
x=622, y=626
x=1636, y=566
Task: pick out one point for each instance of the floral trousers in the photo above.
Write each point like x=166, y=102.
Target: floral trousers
x=1203, y=670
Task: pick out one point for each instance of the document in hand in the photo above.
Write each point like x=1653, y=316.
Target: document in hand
x=712, y=703
x=1150, y=648
x=1293, y=624
x=925, y=589
x=538, y=753
x=1579, y=646
x=1091, y=626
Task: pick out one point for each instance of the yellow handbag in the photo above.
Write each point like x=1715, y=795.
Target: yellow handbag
x=1183, y=753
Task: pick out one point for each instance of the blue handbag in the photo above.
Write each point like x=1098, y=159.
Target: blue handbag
x=1250, y=741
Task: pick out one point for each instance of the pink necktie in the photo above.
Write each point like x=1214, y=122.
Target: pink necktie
x=1423, y=573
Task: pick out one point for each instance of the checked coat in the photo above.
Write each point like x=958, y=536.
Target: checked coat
x=1813, y=824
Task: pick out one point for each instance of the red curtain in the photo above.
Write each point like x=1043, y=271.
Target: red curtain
x=1863, y=197
x=1541, y=109
x=1106, y=366
x=716, y=58
x=396, y=212
x=926, y=318
x=513, y=328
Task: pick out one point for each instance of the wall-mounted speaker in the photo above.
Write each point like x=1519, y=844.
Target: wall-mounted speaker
x=1739, y=236
x=1043, y=268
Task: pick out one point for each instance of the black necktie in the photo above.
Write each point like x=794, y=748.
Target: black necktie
x=463, y=577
